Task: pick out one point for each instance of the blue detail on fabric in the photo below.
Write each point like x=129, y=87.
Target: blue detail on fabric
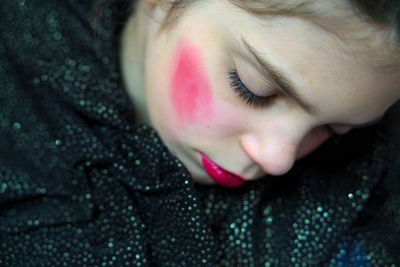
x=350, y=253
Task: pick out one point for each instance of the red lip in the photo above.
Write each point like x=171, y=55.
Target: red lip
x=219, y=175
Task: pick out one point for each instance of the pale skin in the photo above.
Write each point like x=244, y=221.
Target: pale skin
x=343, y=87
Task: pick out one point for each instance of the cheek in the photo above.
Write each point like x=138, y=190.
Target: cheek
x=190, y=89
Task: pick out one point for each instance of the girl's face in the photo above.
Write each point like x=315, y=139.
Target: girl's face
x=235, y=97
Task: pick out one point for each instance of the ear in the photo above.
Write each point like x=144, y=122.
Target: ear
x=157, y=9
x=152, y=3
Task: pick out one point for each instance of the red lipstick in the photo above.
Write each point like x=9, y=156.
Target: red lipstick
x=219, y=175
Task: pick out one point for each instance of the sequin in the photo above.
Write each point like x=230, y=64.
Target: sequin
x=82, y=185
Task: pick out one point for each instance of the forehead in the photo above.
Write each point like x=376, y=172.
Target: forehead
x=336, y=19
x=339, y=18
x=342, y=75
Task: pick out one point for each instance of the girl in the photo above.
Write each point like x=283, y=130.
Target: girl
x=169, y=136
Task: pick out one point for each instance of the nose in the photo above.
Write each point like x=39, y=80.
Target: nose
x=275, y=155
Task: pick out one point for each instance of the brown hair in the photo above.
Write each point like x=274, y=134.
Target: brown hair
x=382, y=13
x=350, y=16
x=346, y=22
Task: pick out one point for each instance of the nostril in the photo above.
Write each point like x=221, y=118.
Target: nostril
x=279, y=166
x=274, y=157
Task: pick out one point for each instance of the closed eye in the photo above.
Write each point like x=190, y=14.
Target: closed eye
x=245, y=94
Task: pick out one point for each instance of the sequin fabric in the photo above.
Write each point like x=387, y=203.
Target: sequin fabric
x=82, y=185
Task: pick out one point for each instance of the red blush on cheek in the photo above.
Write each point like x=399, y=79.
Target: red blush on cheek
x=190, y=89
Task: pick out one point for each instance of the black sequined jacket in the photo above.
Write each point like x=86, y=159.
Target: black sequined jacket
x=82, y=185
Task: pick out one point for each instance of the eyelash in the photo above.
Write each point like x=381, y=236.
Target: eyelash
x=245, y=94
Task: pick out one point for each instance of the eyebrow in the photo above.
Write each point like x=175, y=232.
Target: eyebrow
x=279, y=79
